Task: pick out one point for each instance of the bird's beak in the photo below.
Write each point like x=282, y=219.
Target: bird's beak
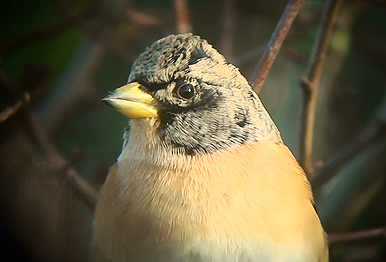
x=131, y=101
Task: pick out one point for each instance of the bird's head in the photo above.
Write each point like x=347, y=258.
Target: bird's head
x=194, y=99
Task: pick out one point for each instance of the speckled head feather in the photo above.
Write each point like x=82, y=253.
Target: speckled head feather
x=204, y=103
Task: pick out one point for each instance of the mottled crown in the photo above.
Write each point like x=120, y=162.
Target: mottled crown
x=174, y=53
x=224, y=110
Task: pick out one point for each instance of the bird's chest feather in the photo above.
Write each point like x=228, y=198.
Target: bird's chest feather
x=239, y=205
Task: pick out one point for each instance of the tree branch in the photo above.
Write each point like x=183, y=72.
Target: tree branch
x=142, y=18
x=183, y=24
x=357, y=236
x=331, y=168
x=11, y=110
x=275, y=43
x=31, y=82
x=310, y=83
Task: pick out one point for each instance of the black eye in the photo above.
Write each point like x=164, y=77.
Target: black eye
x=186, y=91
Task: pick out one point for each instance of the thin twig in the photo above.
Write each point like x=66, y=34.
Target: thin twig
x=275, y=43
x=183, y=24
x=331, y=168
x=142, y=19
x=310, y=83
x=32, y=82
x=357, y=236
x=226, y=41
x=11, y=110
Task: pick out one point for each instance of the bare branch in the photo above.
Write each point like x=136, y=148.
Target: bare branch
x=82, y=187
x=310, y=82
x=141, y=18
x=33, y=82
x=357, y=236
x=331, y=168
x=183, y=24
x=275, y=43
x=229, y=18
x=11, y=110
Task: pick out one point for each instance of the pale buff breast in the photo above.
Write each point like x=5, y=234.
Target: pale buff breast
x=249, y=203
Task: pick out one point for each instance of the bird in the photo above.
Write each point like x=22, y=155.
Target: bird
x=204, y=174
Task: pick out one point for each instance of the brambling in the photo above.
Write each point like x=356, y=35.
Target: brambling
x=203, y=174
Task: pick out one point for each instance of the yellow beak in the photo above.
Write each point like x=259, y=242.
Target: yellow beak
x=131, y=101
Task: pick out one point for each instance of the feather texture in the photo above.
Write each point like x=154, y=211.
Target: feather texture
x=248, y=203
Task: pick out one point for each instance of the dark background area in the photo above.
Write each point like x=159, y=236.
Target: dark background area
x=67, y=54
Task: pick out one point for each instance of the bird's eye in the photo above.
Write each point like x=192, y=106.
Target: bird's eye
x=186, y=91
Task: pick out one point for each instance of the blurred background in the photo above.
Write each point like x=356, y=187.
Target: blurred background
x=59, y=57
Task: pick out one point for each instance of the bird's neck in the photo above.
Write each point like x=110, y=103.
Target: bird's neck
x=207, y=185
x=236, y=194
